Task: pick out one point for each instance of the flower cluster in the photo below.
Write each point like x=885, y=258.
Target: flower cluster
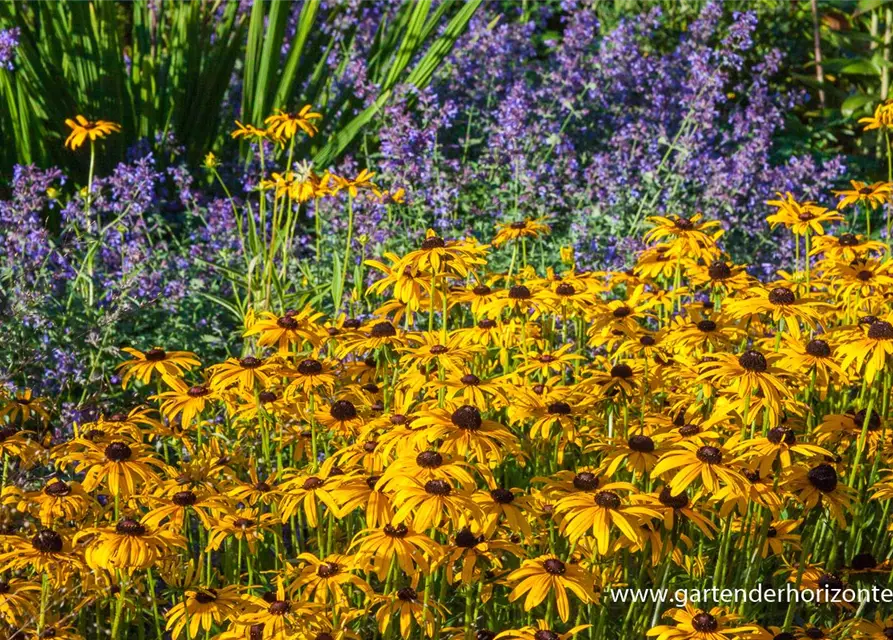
x=485, y=453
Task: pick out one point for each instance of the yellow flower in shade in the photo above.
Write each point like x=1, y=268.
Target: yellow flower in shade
x=167, y=363
x=547, y=576
x=800, y=217
x=744, y=377
x=413, y=552
x=881, y=119
x=691, y=461
x=129, y=545
x=541, y=630
x=324, y=580
x=45, y=552
x=846, y=247
x=249, y=132
x=695, y=624
x=22, y=406
x=511, y=231
x=428, y=504
x=283, y=126
x=465, y=431
x=83, y=129
x=280, y=617
x=183, y=401
x=58, y=500
x=441, y=257
x=879, y=629
x=607, y=507
x=173, y=504
x=304, y=491
x=430, y=349
x=869, y=351
x=248, y=525
x=122, y=467
x=19, y=601
x=202, y=608
x=872, y=195
x=405, y=607
x=363, y=182
x=778, y=446
x=820, y=486
x=474, y=555
x=292, y=330
x=244, y=374
x=692, y=237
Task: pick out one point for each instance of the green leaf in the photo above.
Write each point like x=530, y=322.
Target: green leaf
x=854, y=103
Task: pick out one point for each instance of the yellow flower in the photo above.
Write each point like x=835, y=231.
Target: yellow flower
x=882, y=118
x=545, y=575
x=283, y=126
x=82, y=129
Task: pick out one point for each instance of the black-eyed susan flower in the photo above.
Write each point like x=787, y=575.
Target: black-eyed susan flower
x=405, y=607
x=541, y=631
x=292, y=330
x=820, y=486
x=872, y=195
x=690, y=462
x=244, y=374
x=696, y=624
x=129, y=545
x=694, y=236
x=203, y=608
x=527, y=228
x=46, y=551
x=283, y=126
x=156, y=360
x=548, y=576
x=413, y=552
x=122, y=467
x=92, y=130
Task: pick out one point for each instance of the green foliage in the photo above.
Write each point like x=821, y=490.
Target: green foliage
x=171, y=70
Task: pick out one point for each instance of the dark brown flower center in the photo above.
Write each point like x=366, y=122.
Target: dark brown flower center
x=243, y=523
x=719, y=271
x=383, y=330
x=279, y=607
x=607, y=500
x=502, y=496
x=709, y=455
x=310, y=367
x=400, y=531
x=848, y=240
x=434, y=242
x=707, y=326
x=287, y=322
x=559, y=408
x=343, y=410
x=880, y=330
x=520, y=224
x=438, y=488
x=667, y=499
x=753, y=361
x=312, y=483
x=352, y=323
x=814, y=632
x=805, y=216
x=482, y=290
x=622, y=312
x=823, y=477
x=782, y=435
x=621, y=370
x=206, y=596
x=466, y=539
x=118, y=452
x=57, y=489
x=866, y=191
x=250, y=362
x=429, y=459
x=184, y=498
x=47, y=541
x=371, y=481
x=130, y=527
x=438, y=349
x=684, y=224
x=519, y=292
x=565, y=289
x=467, y=417
x=470, y=380
x=771, y=532
x=647, y=341
x=327, y=570
x=704, y=623
x=782, y=296
x=586, y=481
x=818, y=348
x=874, y=420
x=554, y=566
x=689, y=430
x=546, y=634
x=408, y=594
x=155, y=355
x=198, y=391
x=486, y=323
x=784, y=635
x=640, y=443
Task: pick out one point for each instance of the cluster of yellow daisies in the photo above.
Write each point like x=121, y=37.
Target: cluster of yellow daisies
x=487, y=455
